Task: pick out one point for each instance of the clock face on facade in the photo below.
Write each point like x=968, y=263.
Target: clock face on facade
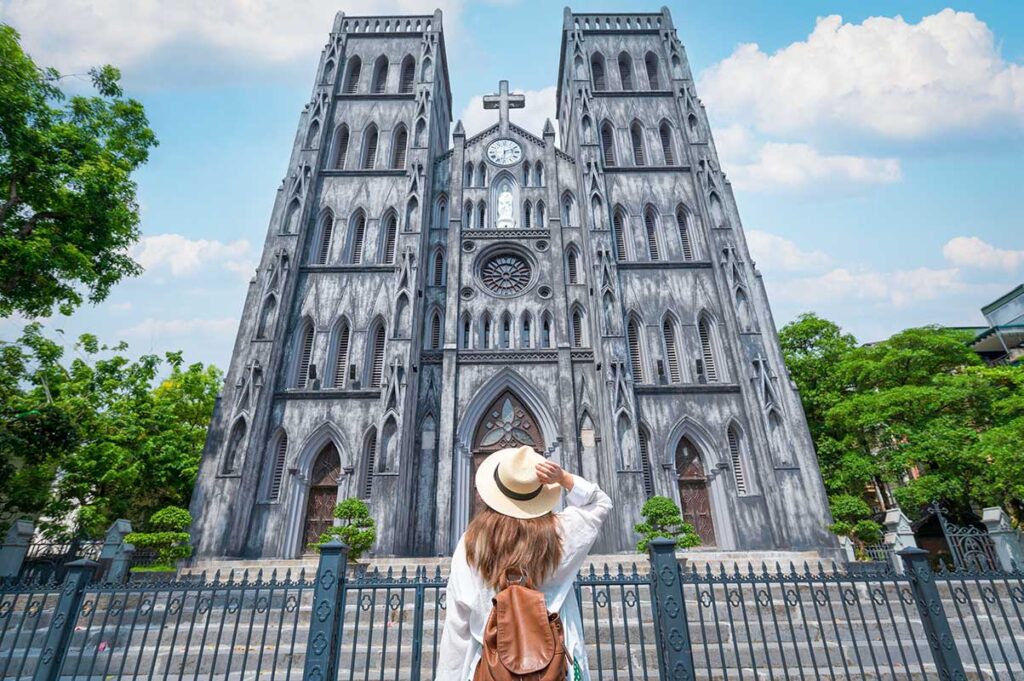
x=504, y=152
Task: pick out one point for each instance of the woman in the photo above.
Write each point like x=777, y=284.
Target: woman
x=518, y=529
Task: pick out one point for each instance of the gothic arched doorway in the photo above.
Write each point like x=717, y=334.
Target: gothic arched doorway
x=506, y=423
x=694, y=494
x=323, y=494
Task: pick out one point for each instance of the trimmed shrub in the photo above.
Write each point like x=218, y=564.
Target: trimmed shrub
x=168, y=536
x=358, y=530
x=663, y=519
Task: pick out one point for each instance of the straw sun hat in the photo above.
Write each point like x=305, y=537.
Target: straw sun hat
x=507, y=482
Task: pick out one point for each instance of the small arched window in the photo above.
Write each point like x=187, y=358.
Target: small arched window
x=408, y=75
x=572, y=266
x=377, y=336
x=525, y=327
x=485, y=331
x=340, y=150
x=651, y=63
x=434, y=339
x=694, y=127
x=355, y=65
x=312, y=134
x=328, y=71
x=645, y=460
x=465, y=332
x=323, y=248
x=527, y=214
x=526, y=173
x=369, y=159
x=399, y=145
x=305, y=354
x=442, y=213
x=619, y=233
x=481, y=215
x=636, y=359
x=380, y=75
x=677, y=66
x=668, y=333
x=651, y=228
x=597, y=71
x=636, y=138
x=421, y=131
x=280, y=453
x=707, y=350
x=541, y=215
x=568, y=211
x=438, y=278
x=467, y=215
x=267, y=313
x=357, y=234
x=291, y=217
x=718, y=218
x=538, y=174
x=683, y=223
x=400, y=322
x=427, y=71
x=482, y=175
x=234, y=451
x=389, y=239
x=506, y=331
x=736, y=458
x=578, y=340
x=341, y=346
x=467, y=175
x=411, y=210
x=369, y=462
x=667, y=146
x=607, y=144
x=545, y=331
x=626, y=71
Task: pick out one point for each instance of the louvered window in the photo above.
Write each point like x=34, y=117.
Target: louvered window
x=597, y=71
x=710, y=371
x=577, y=329
x=527, y=215
x=438, y=269
x=390, y=235
x=619, y=227
x=371, y=463
x=671, y=350
x=405, y=83
x=377, y=357
x=545, y=333
x=736, y=456
x=326, y=231
x=541, y=212
x=607, y=144
x=305, y=355
x=683, y=222
x=398, y=148
x=626, y=71
x=467, y=176
x=340, y=147
x=572, y=267
x=665, y=132
x=506, y=331
x=481, y=215
x=435, y=331
x=651, y=62
x=636, y=359
x=645, y=463
x=277, y=472
x=650, y=224
x=466, y=331
x=380, y=75
x=358, y=234
x=636, y=136
x=352, y=79
x=341, y=356
x=370, y=148
x=524, y=332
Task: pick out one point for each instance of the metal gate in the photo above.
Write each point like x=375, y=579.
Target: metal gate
x=971, y=548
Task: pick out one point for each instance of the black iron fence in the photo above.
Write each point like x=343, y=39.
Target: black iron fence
x=659, y=621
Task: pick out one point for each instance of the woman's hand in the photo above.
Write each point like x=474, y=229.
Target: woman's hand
x=550, y=472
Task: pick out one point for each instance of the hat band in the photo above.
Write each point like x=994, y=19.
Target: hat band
x=518, y=496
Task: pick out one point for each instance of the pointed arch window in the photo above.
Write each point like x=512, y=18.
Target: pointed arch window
x=411, y=210
x=323, y=248
x=527, y=214
x=357, y=233
x=538, y=174
x=438, y=273
x=467, y=175
x=467, y=214
x=427, y=70
x=707, y=350
x=312, y=133
x=694, y=127
x=291, y=217
x=466, y=332
x=355, y=65
x=399, y=147
x=421, y=131
x=506, y=331
x=380, y=75
x=369, y=462
x=442, y=213
x=402, y=316
x=636, y=138
x=597, y=71
x=718, y=218
x=743, y=310
x=434, y=339
x=481, y=215
x=267, y=314
x=234, y=451
x=572, y=266
x=597, y=215
x=619, y=229
x=777, y=437
x=626, y=71
x=405, y=82
x=634, y=337
x=328, y=71
x=541, y=215
x=683, y=223
x=305, y=355
x=645, y=461
x=568, y=211
x=526, y=173
x=369, y=159
x=280, y=452
x=607, y=144
x=482, y=175
x=388, y=241
x=578, y=326
x=736, y=458
x=667, y=147
x=651, y=64
x=545, y=331
x=340, y=151
x=668, y=333
x=377, y=336
x=651, y=228
x=485, y=331
x=525, y=327
x=341, y=346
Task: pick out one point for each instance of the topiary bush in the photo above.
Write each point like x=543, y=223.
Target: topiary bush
x=358, y=530
x=167, y=535
x=663, y=519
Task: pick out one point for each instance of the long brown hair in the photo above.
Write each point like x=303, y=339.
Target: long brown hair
x=496, y=543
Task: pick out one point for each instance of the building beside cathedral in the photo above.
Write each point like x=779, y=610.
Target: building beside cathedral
x=425, y=298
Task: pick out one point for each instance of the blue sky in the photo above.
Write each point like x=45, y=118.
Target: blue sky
x=876, y=158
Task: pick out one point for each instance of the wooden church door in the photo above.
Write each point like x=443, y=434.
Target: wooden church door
x=694, y=496
x=323, y=495
x=506, y=423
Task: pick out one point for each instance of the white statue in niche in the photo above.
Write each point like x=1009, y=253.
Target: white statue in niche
x=506, y=207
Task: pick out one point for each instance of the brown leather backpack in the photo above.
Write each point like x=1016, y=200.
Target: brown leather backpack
x=522, y=640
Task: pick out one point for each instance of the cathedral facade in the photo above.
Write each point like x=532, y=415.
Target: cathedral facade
x=425, y=298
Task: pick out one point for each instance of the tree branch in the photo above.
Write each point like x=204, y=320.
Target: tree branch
x=29, y=225
x=12, y=200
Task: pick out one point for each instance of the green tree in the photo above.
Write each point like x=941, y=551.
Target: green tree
x=68, y=212
x=357, y=529
x=663, y=519
x=101, y=437
x=167, y=534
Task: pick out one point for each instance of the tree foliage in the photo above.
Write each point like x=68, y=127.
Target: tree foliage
x=68, y=212
x=663, y=519
x=357, y=529
x=100, y=437
x=167, y=534
x=918, y=417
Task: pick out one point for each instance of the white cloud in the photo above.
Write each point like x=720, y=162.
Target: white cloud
x=898, y=288
x=181, y=256
x=773, y=252
x=781, y=166
x=224, y=327
x=540, y=106
x=970, y=251
x=74, y=35
x=884, y=76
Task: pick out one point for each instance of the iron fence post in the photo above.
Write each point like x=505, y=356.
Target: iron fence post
x=933, y=616
x=116, y=555
x=328, y=613
x=15, y=548
x=65, y=616
x=675, y=653
x=417, y=627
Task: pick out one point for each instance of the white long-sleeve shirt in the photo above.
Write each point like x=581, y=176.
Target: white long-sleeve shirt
x=469, y=599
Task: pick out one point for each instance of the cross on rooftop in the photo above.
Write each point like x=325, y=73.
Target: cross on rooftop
x=503, y=101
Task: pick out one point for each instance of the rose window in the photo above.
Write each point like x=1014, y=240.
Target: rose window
x=506, y=274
